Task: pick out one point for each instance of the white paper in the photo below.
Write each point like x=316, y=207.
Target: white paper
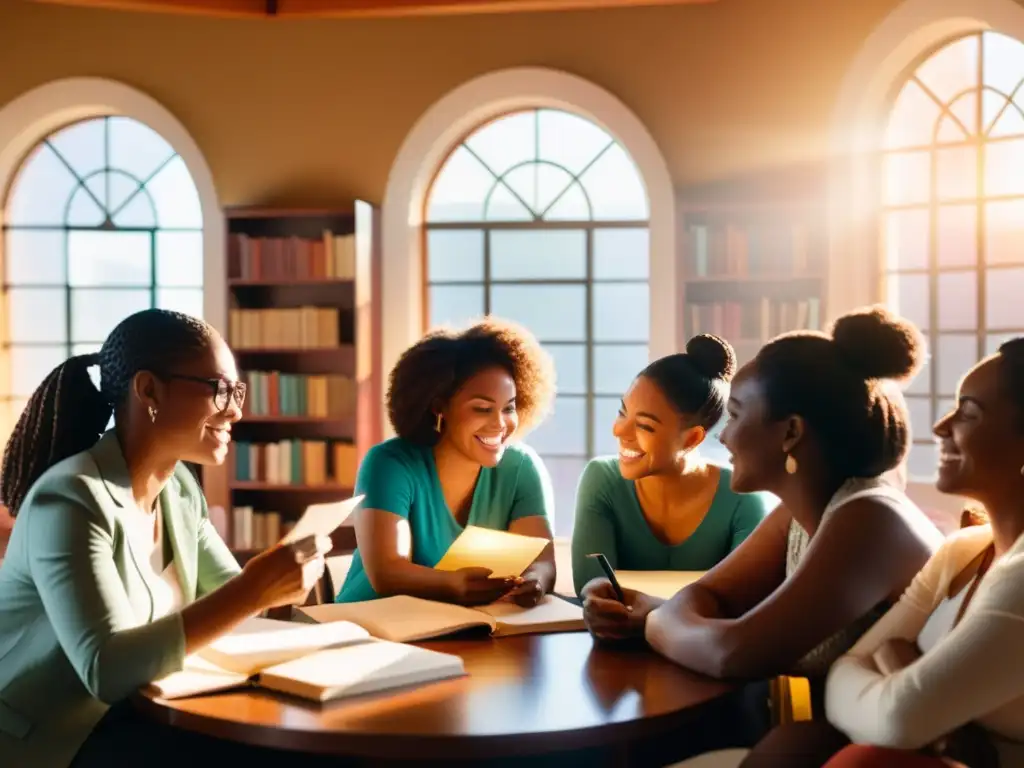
x=321, y=519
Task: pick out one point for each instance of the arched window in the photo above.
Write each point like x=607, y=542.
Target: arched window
x=953, y=217
x=540, y=216
x=103, y=219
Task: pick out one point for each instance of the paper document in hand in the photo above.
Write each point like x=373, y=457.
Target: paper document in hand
x=663, y=584
x=506, y=554
x=321, y=519
x=260, y=643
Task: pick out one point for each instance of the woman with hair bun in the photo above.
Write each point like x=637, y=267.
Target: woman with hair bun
x=816, y=420
x=658, y=505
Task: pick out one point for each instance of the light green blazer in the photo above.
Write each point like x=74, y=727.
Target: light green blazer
x=76, y=611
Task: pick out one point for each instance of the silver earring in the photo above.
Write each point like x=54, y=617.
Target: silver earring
x=152, y=414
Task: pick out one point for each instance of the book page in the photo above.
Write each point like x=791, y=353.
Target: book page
x=663, y=584
x=321, y=519
x=401, y=619
x=506, y=554
x=551, y=614
x=374, y=666
x=198, y=677
x=258, y=643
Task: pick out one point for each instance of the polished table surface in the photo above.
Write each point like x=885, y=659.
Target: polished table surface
x=527, y=695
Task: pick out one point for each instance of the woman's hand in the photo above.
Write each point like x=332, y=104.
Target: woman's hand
x=474, y=586
x=609, y=619
x=527, y=591
x=284, y=575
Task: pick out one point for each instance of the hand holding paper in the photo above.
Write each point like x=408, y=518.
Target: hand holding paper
x=321, y=519
x=505, y=554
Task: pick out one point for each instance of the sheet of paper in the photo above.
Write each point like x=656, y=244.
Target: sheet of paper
x=321, y=519
x=551, y=614
x=198, y=677
x=401, y=618
x=506, y=554
x=663, y=584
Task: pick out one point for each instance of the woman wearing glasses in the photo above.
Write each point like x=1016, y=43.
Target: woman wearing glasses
x=114, y=572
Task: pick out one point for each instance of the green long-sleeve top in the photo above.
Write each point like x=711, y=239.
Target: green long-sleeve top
x=609, y=519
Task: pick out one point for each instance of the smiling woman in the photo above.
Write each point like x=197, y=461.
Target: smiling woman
x=457, y=400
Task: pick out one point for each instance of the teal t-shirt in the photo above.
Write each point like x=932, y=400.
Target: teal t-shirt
x=609, y=519
x=400, y=477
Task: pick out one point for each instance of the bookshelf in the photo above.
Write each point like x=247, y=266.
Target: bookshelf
x=752, y=270
x=304, y=323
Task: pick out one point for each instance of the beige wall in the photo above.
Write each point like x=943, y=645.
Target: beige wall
x=313, y=112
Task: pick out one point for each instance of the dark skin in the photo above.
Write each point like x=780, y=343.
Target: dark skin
x=477, y=423
x=744, y=619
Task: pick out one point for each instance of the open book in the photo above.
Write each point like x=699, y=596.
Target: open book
x=404, y=619
x=318, y=662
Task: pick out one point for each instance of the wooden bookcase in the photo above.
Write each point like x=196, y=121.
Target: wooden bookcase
x=304, y=323
x=752, y=270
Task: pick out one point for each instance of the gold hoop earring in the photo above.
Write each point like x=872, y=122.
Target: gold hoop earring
x=152, y=414
x=791, y=465
x=437, y=424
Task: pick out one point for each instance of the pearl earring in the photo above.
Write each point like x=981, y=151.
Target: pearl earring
x=791, y=465
x=152, y=414
x=437, y=424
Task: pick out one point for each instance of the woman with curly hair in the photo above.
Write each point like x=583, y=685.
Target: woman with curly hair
x=456, y=400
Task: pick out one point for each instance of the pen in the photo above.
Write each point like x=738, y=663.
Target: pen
x=610, y=573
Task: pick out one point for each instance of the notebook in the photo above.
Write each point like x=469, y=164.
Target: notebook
x=663, y=584
x=404, y=619
x=320, y=662
x=506, y=554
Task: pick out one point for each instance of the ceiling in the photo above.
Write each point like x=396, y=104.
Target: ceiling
x=364, y=8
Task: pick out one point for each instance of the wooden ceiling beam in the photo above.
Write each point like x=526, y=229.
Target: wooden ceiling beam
x=357, y=8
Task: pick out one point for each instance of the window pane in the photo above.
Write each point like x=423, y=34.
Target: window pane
x=571, y=366
x=38, y=315
x=83, y=146
x=957, y=170
x=952, y=69
x=175, y=197
x=615, y=367
x=1003, y=61
x=958, y=301
x=615, y=189
x=138, y=210
x=109, y=258
x=30, y=365
x=95, y=311
x=41, y=190
x=552, y=312
x=1004, y=290
x=179, y=259
x=565, y=476
x=921, y=384
x=504, y=142
x=455, y=305
x=35, y=256
x=958, y=236
x=186, y=300
x=85, y=210
x=995, y=340
x=1000, y=122
x=907, y=178
x=912, y=119
x=502, y=205
x=920, y=416
x=906, y=240
x=571, y=206
x=1004, y=232
x=458, y=192
x=622, y=253
x=569, y=140
x=537, y=254
x=606, y=409
x=622, y=312
x=455, y=255
x=564, y=432
x=539, y=186
x=923, y=462
x=137, y=148
x=907, y=295
x=956, y=354
x=1004, y=167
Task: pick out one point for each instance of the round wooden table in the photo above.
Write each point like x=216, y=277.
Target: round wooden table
x=523, y=696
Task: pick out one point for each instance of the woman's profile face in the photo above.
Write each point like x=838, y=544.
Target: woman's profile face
x=481, y=417
x=651, y=433
x=755, y=444
x=197, y=403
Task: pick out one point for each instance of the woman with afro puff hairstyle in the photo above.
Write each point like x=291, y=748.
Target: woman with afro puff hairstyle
x=456, y=400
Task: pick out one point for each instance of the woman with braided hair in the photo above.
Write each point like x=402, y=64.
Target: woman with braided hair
x=114, y=572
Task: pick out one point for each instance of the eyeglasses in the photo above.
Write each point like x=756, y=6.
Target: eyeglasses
x=224, y=391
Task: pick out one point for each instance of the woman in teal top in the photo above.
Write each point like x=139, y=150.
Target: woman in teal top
x=658, y=506
x=455, y=400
